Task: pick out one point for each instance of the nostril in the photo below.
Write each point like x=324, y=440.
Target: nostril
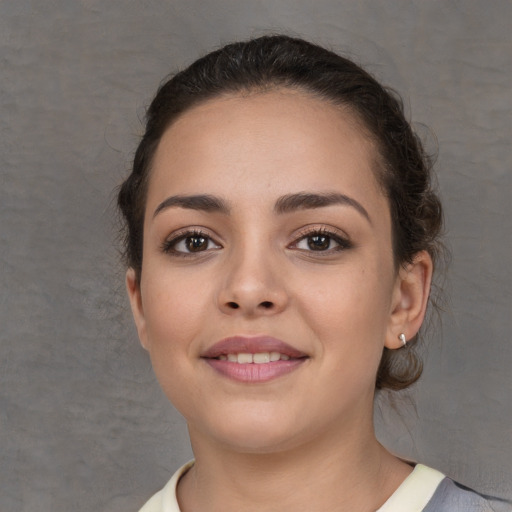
x=266, y=304
x=233, y=305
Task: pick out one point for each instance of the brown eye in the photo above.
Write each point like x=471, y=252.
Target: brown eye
x=196, y=243
x=189, y=243
x=319, y=242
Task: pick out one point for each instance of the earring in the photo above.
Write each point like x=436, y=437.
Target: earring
x=401, y=337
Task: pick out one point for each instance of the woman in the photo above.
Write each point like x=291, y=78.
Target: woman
x=281, y=239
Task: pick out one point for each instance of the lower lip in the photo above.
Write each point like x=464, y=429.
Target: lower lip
x=253, y=372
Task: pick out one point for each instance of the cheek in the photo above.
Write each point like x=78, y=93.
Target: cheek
x=348, y=297
x=174, y=306
x=175, y=313
x=349, y=311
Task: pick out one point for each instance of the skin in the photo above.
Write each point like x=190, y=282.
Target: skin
x=340, y=305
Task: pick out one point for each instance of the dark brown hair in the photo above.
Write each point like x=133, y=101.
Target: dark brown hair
x=403, y=170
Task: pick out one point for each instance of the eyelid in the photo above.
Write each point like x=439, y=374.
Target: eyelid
x=177, y=236
x=339, y=236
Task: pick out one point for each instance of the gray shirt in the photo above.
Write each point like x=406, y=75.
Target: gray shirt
x=452, y=497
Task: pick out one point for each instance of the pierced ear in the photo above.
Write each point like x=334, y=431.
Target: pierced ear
x=410, y=299
x=134, y=294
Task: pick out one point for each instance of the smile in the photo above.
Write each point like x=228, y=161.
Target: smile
x=253, y=359
x=259, y=358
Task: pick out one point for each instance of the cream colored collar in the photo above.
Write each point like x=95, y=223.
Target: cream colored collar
x=413, y=494
x=415, y=491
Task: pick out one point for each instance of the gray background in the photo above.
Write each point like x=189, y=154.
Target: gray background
x=83, y=424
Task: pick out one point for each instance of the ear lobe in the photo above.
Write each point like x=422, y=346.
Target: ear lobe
x=410, y=299
x=134, y=294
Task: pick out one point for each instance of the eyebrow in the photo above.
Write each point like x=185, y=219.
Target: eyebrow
x=203, y=202
x=285, y=204
x=307, y=200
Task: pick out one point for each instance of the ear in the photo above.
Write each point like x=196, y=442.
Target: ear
x=410, y=298
x=134, y=294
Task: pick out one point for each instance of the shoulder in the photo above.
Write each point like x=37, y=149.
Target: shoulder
x=428, y=490
x=451, y=496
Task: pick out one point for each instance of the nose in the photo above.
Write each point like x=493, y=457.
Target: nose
x=253, y=285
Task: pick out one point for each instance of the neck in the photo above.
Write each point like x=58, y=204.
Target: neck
x=333, y=472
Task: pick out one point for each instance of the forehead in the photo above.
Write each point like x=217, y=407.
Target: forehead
x=276, y=141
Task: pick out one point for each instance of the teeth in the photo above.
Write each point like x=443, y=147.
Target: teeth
x=259, y=358
x=275, y=356
x=244, y=358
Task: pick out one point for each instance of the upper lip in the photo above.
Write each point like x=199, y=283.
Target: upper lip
x=251, y=345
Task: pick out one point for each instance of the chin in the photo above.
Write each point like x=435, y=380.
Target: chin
x=254, y=432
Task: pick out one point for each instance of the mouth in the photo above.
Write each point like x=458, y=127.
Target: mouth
x=258, y=358
x=253, y=359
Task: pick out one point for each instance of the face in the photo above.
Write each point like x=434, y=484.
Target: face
x=268, y=287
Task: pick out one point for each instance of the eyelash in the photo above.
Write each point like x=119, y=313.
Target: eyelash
x=169, y=245
x=343, y=243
